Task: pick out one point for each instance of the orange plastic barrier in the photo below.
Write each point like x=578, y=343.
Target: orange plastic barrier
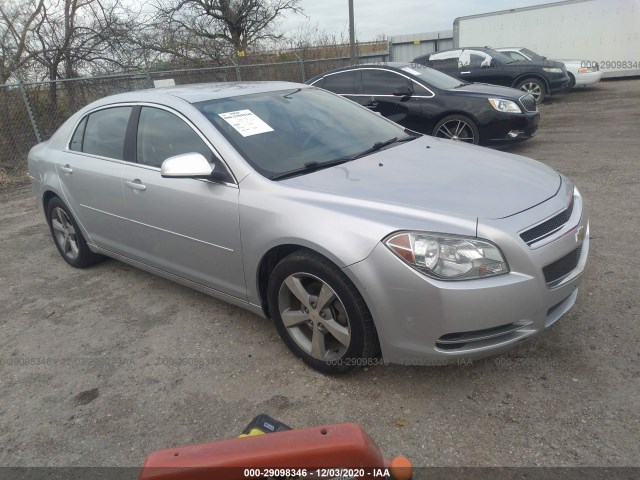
x=316, y=451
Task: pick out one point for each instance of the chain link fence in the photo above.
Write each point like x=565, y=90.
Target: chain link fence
x=33, y=111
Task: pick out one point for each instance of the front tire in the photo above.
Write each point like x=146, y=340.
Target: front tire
x=535, y=87
x=67, y=236
x=320, y=315
x=458, y=127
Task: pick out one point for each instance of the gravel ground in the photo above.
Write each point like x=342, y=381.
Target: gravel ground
x=111, y=388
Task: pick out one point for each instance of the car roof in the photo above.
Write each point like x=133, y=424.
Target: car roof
x=481, y=49
x=373, y=65
x=364, y=66
x=202, y=92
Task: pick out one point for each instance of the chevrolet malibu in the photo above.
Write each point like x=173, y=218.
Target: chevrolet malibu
x=361, y=240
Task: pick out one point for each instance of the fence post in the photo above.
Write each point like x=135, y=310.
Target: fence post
x=301, y=58
x=149, y=79
x=27, y=105
x=237, y=64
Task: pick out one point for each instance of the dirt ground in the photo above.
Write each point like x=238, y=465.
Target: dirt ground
x=99, y=367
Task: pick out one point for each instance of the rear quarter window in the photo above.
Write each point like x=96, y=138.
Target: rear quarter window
x=78, y=136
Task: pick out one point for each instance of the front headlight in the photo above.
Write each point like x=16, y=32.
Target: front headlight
x=448, y=257
x=552, y=69
x=504, y=105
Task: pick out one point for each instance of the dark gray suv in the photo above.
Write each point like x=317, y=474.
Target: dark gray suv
x=485, y=65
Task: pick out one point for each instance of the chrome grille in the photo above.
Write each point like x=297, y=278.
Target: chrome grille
x=555, y=272
x=548, y=227
x=528, y=101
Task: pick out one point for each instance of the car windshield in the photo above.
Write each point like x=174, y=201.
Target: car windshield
x=532, y=55
x=432, y=77
x=298, y=129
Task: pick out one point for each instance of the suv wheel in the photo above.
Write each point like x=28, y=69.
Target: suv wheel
x=535, y=87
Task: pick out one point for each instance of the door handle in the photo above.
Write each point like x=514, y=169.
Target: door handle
x=135, y=185
x=465, y=73
x=67, y=169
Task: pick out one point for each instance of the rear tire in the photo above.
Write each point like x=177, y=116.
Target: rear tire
x=320, y=315
x=535, y=87
x=67, y=236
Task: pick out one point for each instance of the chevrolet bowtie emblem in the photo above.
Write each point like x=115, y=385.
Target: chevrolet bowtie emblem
x=580, y=234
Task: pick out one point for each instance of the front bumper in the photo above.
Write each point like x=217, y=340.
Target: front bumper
x=559, y=82
x=509, y=128
x=425, y=321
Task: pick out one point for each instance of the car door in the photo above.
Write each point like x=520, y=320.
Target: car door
x=378, y=88
x=187, y=227
x=90, y=174
x=477, y=66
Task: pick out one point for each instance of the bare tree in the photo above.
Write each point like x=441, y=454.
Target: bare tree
x=79, y=36
x=212, y=28
x=17, y=19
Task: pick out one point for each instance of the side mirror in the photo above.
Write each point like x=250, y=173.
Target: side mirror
x=187, y=165
x=404, y=91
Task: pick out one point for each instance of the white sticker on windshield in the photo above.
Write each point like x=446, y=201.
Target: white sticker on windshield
x=411, y=71
x=246, y=122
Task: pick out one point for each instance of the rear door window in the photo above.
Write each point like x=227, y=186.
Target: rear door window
x=474, y=59
x=104, y=133
x=344, y=82
x=445, y=60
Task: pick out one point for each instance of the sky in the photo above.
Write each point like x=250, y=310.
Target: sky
x=391, y=17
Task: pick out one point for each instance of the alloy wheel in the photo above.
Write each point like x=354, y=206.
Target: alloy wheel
x=532, y=88
x=314, y=316
x=64, y=233
x=456, y=130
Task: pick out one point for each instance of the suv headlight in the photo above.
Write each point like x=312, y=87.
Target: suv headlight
x=552, y=69
x=448, y=257
x=504, y=105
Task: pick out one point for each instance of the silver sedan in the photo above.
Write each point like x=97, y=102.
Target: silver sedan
x=362, y=241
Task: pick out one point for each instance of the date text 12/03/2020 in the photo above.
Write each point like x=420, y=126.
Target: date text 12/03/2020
x=334, y=473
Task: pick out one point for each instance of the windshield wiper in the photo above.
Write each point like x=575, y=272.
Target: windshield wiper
x=308, y=168
x=380, y=145
x=315, y=166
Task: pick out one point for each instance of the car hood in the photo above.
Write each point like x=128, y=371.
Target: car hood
x=440, y=176
x=486, y=90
